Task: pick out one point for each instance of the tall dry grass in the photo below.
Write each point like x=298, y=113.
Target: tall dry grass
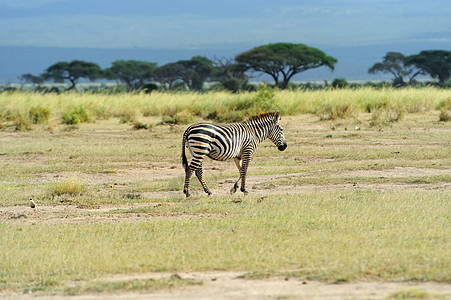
x=72, y=108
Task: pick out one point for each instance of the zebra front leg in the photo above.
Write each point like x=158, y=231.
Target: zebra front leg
x=188, y=174
x=235, y=186
x=202, y=181
x=244, y=165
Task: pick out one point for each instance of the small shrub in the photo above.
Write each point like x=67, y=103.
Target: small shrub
x=340, y=83
x=233, y=85
x=180, y=118
x=75, y=116
x=126, y=119
x=445, y=115
x=136, y=125
x=126, y=116
x=377, y=105
x=149, y=87
x=334, y=111
x=39, y=114
x=101, y=112
x=71, y=186
x=385, y=117
x=133, y=196
x=21, y=122
x=264, y=101
x=71, y=119
x=240, y=108
x=445, y=110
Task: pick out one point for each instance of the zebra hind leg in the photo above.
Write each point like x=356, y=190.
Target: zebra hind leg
x=235, y=186
x=188, y=174
x=202, y=181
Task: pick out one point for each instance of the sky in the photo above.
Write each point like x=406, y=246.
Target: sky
x=232, y=24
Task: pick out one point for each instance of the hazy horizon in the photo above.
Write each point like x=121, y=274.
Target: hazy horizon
x=38, y=33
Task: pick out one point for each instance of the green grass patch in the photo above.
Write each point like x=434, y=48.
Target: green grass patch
x=49, y=287
x=369, y=235
x=414, y=294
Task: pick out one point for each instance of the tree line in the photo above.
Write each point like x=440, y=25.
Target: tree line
x=281, y=61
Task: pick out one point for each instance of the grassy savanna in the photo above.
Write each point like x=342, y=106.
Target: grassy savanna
x=19, y=109
x=350, y=199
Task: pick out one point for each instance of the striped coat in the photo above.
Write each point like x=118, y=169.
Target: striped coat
x=236, y=141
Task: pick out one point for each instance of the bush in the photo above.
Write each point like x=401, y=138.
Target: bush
x=75, y=116
x=178, y=118
x=387, y=116
x=149, y=87
x=21, y=122
x=126, y=119
x=445, y=110
x=71, y=186
x=39, y=114
x=126, y=115
x=340, y=83
x=377, y=105
x=232, y=85
x=445, y=115
x=137, y=125
x=239, y=108
x=334, y=111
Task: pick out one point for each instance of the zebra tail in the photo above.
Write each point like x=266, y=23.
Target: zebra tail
x=184, y=160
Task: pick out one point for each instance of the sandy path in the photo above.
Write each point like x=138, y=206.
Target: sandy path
x=228, y=285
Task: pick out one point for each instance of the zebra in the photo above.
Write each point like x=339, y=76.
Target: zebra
x=223, y=142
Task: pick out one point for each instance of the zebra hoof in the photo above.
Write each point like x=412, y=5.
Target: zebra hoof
x=233, y=190
x=245, y=192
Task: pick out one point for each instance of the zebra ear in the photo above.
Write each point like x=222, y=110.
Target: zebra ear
x=277, y=115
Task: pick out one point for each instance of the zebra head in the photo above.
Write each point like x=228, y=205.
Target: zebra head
x=276, y=133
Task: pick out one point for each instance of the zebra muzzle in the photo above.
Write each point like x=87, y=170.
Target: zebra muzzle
x=282, y=147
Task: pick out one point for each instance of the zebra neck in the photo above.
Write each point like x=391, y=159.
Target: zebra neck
x=260, y=129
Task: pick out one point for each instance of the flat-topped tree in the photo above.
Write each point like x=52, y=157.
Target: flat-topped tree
x=284, y=59
x=72, y=72
x=133, y=73
x=196, y=71
x=436, y=63
x=395, y=63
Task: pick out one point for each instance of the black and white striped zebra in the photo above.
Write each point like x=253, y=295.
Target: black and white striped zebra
x=223, y=142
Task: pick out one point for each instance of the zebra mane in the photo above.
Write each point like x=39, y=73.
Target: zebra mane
x=261, y=116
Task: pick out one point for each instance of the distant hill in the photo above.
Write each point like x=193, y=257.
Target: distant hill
x=353, y=61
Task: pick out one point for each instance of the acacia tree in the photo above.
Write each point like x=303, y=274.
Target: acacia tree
x=193, y=72
x=133, y=73
x=436, y=63
x=231, y=74
x=30, y=78
x=284, y=59
x=395, y=63
x=168, y=74
x=196, y=71
x=72, y=72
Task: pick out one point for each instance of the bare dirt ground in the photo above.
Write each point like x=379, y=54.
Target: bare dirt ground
x=68, y=212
